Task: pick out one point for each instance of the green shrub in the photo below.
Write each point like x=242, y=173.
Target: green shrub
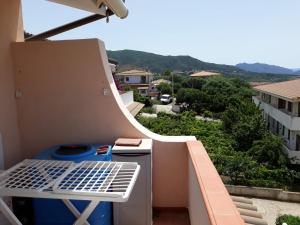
x=142, y=99
x=156, y=102
x=263, y=183
x=207, y=114
x=288, y=219
x=148, y=110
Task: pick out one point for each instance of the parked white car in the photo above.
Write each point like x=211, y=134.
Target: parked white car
x=166, y=99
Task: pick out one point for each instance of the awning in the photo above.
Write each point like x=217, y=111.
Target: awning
x=97, y=6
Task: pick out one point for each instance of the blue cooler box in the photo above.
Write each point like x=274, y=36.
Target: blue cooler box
x=54, y=212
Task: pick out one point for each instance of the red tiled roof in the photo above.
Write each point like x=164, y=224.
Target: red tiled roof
x=204, y=74
x=287, y=89
x=135, y=73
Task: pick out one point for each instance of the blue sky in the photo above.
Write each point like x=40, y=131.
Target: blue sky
x=217, y=31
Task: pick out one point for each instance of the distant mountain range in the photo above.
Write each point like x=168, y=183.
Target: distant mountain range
x=266, y=68
x=129, y=59
x=159, y=63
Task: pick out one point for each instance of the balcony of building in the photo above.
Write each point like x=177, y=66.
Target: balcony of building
x=61, y=92
x=65, y=93
x=292, y=154
x=282, y=115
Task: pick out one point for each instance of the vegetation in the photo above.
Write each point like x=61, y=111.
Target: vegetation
x=241, y=147
x=139, y=98
x=288, y=219
x=148, y=110
x=164, y=88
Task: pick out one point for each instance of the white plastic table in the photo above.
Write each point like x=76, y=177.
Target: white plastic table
x=89, y=180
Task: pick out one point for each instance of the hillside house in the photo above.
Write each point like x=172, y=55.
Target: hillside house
x=136, y=79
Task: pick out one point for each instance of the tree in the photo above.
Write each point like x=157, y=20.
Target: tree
x=248, y=130
x=257, y=168
x=167, y=73
x=237, y=168
x=269, y=150
x=196, y=83
x=165, y=88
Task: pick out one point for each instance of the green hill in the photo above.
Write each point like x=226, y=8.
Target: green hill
x=158, y=63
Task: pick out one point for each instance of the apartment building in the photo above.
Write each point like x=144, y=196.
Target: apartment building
x=280, y=103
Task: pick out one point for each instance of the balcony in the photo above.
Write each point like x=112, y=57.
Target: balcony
x=293, y=155
x=289, y=121
x=66, y=97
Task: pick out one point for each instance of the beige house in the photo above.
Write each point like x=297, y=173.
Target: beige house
x=281, y=105
x=136, y=79
x=60, y=92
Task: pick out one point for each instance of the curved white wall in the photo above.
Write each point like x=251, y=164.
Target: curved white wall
x=63, y=101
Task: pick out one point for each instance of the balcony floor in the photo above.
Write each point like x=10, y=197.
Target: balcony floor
x=170, y=216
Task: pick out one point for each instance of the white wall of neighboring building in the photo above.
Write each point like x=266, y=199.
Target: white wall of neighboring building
x=290, y=122
x=293, y=155
x=135, y=79
x=127, y=98
x=274, y=100
x=295, y=108
x=132, y=79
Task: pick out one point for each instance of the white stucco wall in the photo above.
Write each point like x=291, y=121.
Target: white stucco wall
x=290, y=122
x=132, y=80
x=274, y=100
x=127, y=98
x=295, y=108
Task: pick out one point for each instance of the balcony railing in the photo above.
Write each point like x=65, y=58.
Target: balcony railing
x=209, y=201
x=293, y=155
x=289, y=121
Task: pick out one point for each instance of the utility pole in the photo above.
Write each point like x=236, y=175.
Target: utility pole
x=172, y=86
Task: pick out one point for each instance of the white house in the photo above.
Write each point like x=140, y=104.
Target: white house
x=280, y=103
x=136, y=79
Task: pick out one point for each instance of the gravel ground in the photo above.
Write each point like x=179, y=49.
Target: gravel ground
x=272, y=209
x=163, y=108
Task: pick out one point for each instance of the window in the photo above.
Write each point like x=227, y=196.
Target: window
x=126, y=79
x=143, y=92
x=283, y=130
x=277, y=127
x=281, y=103
x=299, y=109
x=143, y=79
x=269, y=98
x=290, y=106
x=289, y=134
x=273, y=123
